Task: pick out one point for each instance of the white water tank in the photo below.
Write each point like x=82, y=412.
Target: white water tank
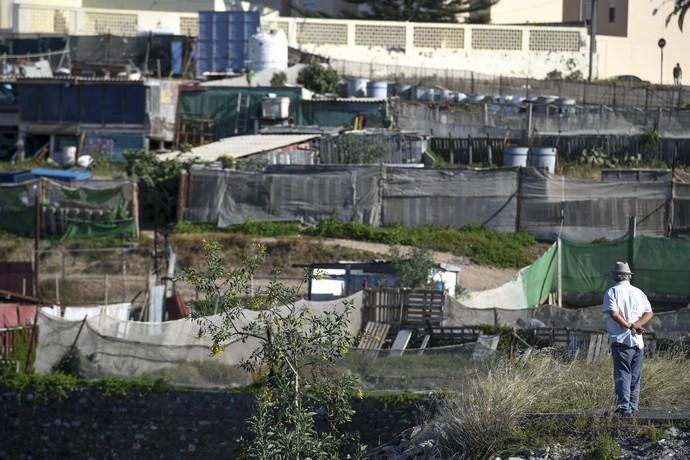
x=377, y=89
x=357, y=87
x=268, y=50
x=515, y=157
x=544, y=158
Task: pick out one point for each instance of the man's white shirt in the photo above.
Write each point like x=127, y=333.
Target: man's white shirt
x=630, y=302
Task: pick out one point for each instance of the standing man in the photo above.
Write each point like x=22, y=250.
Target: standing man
x=628, y=310
x=677, y=75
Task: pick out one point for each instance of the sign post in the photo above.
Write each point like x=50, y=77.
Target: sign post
x=661, y=43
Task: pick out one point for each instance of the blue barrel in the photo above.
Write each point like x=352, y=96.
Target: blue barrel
x=377, y=89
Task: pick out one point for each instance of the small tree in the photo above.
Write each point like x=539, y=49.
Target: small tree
x=294, y=355
x=279, y=79
x=159, y=182
x=413, y=269
x=319, y=78
x=680, y=10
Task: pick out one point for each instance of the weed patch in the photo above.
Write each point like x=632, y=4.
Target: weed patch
x=479, y=244
x=606, y=448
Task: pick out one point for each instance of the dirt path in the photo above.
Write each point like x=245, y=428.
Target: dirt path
x=473, y=277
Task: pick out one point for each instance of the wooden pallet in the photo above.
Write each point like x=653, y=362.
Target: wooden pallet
x=402, y=339
x=407, y=307
x=374, y=336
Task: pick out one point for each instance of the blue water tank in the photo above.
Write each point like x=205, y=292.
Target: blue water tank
x=224, y=40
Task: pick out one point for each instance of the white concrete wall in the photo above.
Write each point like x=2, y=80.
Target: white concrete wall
x=28, y=18
x=494, y=50
x=638, y=53
x=527, y=11
x=177, y=6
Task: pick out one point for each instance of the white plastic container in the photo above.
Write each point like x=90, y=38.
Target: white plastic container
x=544, y=158
x=377, y=89
x=268, y=50
x=515, y=157
x=276, y=108
x=69, y=156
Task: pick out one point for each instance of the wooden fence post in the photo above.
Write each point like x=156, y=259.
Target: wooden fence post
x=182, y=195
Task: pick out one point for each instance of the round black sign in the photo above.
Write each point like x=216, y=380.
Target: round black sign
x=661, y=42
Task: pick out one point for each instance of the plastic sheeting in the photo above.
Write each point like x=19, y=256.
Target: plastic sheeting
x=171, y=350
x=661, y=266
x=118, y=311
x=590, y=210
x=661, y=269
x=226, y=197
x=415, y=197
x=530, y=287
x=502, y=199
x=17, y=206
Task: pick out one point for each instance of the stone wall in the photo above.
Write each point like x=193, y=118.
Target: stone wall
x=167, y=425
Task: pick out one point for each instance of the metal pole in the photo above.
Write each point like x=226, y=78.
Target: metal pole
x=661, y=67
x=57, y=289
x=632, y=234
x=124, y=281
x=559, y=247
x=592, y=38
x=37, y=238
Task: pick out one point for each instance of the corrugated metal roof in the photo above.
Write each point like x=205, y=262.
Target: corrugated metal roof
x=369, y=100
x=240, y=146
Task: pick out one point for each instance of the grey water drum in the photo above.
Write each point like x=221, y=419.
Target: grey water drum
x=515, y=157
x=544, y=158
x=377, y=89
x=357, y=87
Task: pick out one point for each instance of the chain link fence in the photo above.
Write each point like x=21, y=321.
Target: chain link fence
x=607, y=92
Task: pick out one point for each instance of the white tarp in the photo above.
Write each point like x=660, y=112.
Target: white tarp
x=118, y=311
x=171, y=350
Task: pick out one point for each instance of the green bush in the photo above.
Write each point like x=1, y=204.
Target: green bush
x=606, y=448
x=318, y=78
x=247, y=228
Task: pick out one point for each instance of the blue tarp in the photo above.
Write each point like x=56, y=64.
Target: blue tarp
x=58, y=174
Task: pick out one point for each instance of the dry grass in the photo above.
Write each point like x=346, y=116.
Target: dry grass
x=282, y=253
x=481, y=420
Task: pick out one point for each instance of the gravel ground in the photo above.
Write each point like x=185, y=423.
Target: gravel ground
x=670, y=440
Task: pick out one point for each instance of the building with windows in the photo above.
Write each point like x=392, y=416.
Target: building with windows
x=117, y=17
x=627, y=32
x=524, y=38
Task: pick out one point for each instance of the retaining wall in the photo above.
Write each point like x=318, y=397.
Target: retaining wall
x=166, y=425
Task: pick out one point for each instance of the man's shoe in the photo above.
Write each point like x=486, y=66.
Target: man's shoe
x=624, y=412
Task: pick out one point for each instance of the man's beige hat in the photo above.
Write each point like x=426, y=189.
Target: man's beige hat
x=621, y=267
